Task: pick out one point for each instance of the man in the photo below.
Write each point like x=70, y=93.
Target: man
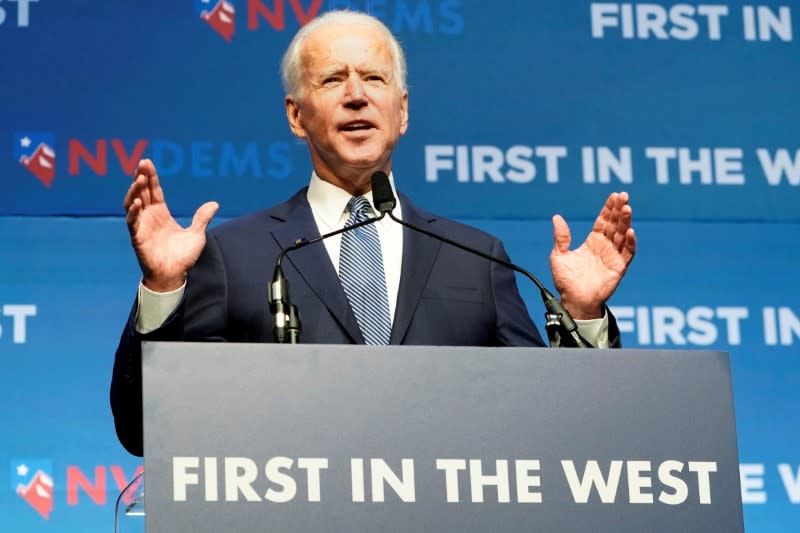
x=346, y=96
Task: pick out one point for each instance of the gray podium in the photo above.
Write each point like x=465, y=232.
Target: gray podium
x=310, y=438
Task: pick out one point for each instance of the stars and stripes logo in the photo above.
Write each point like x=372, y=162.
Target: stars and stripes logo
x=34, y=151
x=219, y=14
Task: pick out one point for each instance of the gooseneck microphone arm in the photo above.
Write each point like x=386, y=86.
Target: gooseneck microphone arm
x=562, y=330
x=285, y=315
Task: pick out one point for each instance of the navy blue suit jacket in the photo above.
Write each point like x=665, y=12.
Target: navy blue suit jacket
x=447, y=297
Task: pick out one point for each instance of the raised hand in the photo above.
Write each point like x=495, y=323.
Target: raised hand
x=165, y=250
x=587, y=276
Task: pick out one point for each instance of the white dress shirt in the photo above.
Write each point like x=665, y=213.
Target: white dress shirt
x=329, y=206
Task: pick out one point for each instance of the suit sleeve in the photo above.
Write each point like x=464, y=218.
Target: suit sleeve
x=614, y=337
x=200, y=316
x=514, y=324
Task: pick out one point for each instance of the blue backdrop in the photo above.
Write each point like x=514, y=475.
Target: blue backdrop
x=518, y=110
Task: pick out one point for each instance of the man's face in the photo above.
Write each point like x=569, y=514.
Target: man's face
x=351, y=112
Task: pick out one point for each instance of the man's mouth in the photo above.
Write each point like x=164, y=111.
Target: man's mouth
x=357, y=125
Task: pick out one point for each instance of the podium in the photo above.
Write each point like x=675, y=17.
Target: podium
x=302, y=438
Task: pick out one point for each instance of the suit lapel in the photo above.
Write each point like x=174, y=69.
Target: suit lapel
x=313, y=263
x=419, y=255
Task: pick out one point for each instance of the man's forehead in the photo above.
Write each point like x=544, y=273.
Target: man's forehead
x=345, y=43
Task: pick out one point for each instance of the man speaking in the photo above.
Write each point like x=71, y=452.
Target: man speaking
x=344, y=75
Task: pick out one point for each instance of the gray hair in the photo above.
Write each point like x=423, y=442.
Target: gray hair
x=291, y=64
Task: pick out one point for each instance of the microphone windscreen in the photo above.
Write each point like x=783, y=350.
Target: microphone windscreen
x=382, y=195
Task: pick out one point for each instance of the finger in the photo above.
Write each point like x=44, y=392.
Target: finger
x=625, y=217
x=629, y=249
x=617, y=218
x=622, y=226
x=620, y=203
x=618, y=240
x=561, y=235
x=605, y=213
x=148, y=171
x=613, y=218
x=203, y=216
x=131, y=194
x=132, y=217
x=141, y=178
x=153, y=183
x=143, y=168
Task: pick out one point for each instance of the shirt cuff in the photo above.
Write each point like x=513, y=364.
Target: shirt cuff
x=155, y=307
x=595, y=331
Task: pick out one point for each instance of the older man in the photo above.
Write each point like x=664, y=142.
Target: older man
x=344, y=75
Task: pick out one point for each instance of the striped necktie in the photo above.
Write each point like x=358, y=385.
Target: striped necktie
x=362, y=276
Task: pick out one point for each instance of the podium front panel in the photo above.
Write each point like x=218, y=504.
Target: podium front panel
x=245, y=437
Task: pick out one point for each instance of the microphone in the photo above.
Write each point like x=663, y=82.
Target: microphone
x=286, y=316
x=559, y=324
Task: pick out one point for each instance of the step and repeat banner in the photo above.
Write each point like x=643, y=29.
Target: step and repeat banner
x=518, y=110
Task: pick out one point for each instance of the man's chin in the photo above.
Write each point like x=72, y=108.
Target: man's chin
x=365, y=161
x=361, y=164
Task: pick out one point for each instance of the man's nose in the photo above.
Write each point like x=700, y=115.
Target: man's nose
x=354, y=92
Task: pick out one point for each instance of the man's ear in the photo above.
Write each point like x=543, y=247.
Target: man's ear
x=294, y=116
x=404, y=113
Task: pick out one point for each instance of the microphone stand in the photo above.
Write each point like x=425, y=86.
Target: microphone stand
x=285, y=315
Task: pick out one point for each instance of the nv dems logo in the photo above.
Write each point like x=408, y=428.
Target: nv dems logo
x=34, y=484
x=35, y=151
x=428, y=16
x=32, y=480
x=219, y=14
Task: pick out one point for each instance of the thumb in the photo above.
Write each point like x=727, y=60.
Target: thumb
x=561, y=235
x=203, y=216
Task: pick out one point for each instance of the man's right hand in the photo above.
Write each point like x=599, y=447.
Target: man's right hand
x=166, y=251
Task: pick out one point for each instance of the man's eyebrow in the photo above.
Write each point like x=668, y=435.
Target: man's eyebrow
x=330, y=71
x=374, y=70
x=362, y=70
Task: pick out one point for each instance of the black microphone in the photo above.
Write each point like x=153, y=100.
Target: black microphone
x=559, y=324
x=286, y=316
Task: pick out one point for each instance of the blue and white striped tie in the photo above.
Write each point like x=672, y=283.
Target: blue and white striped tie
x=362, y=275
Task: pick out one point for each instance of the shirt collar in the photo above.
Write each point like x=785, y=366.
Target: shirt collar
x=329, y=202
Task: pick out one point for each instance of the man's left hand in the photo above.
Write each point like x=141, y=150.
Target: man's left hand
x=587, y=276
